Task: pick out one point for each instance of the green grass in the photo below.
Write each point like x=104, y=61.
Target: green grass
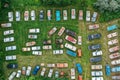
x=21, y=33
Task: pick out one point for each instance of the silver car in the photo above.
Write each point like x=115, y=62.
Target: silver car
x=32, y=15
x=5, y=25
x=12, y=76
x=10, y=16
x=28, y=70
x=87, y=15
x=17, y=15
x=36, y=48
x=32, y=36
x=18, y=74
x=9, y=39
x=8, y=32
x=94, y=17
x=10, y=48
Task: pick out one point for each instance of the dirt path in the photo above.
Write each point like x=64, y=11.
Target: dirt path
x=85, y=57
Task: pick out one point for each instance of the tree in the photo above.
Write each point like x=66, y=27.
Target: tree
x=107, y=5
x=57, y=2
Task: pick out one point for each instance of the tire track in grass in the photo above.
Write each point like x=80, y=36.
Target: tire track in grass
x=85, y=57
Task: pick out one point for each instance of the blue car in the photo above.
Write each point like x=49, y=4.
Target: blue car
x=94, y=36
x=94, y=47
x=58, y=15
x=110, y=28
x=107, y=70
x=71, y=53
x=96, y=59
x=79, y=68
x=116, y=69
x=36, y=69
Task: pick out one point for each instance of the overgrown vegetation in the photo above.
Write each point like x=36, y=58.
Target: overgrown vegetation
x=58, y=2
x=1, y=66
x=109, y=9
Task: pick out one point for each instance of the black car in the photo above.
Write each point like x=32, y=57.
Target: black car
x=95, y=59
x=71, y=33
x=94, y=36
x=94, y=47
x=12, y=65
x=41, y=15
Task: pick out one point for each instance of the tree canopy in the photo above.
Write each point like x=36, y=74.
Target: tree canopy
x=58, y=2
x=107, y=5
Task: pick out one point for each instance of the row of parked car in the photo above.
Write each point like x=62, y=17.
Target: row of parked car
x=8, y=36
x=114, y=51
x=31, y=15
x=28, y=71
x=96, y=69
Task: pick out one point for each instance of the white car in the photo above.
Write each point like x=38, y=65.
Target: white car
x=97, y=78
x=114, y=55
x=34, y=30
x=31, y=36
x=26, y=49
x=10, y=16
x=26, y=15
x=96, y=73
x=69, y=46
x=9, y=39
x=72, y=74
x=8, y=32
x=116, y=77
x=34, y=48
x=93, y=26
x=43, y=72
x=51, y=65
x=65, y=15
x=94, y=17
x=87, y=15
x=97, y=53
x=52, y=31
x=32, y=15
x=37, y=52
x=115, y=62
x=28, y=71
x=6, y=25
x=111, y=35
x=50, y=73
x=18, y=74
x=49, y=14
x=57, y=51
x=79, y=40
x=114, y=49
x=10, y=48
x=96, y=67
x=12, y=75
x=61, y=31
x=112, y=42
x=17, y=15
x=73, y=14
x=11, y=57
x=47, y=47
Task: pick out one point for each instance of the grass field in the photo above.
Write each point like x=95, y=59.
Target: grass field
x=80, y=27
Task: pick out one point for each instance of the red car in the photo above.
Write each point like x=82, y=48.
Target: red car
x=71, y=39
x=79, y=77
